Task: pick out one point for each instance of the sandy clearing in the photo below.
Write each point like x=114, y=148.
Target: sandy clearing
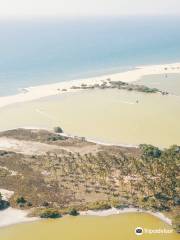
x=27, y=147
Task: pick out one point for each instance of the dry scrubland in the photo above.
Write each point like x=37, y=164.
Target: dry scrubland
x=68, y=173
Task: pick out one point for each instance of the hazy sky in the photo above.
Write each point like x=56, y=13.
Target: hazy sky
x=19, y=8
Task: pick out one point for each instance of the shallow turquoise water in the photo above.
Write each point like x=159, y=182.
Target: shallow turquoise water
x=47, y=51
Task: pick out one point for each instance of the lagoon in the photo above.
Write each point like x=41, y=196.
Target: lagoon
x=89, y=227
x=169, y=82
x=109, y=115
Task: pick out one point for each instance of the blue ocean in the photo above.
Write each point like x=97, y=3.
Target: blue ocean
x=40, y=51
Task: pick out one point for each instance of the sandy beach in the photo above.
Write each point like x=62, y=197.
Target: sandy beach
x=115, y=211
x=37, y=92
x=13, y=216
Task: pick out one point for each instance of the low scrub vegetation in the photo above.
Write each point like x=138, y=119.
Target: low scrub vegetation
x=3, y=204
x=50, y=213
x=58, y=130
x=73, y=212
x=106, y=176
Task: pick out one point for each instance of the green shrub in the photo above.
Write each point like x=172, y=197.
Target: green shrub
x=3, y=204
x=21, y=200
x=150, y=151
x=58, y=130
x=56, y=138
x=50, y=213
x=122, y=206
x=73, y=212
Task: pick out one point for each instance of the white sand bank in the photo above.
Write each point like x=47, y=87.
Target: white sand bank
x=33, y=93
x=6, y=194
x=115, y=211
x=12, y=216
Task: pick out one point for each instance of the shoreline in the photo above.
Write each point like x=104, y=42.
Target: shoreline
x=90, y=140
x=12, y=216
x=115, y=211
x=99, y=142
x=41, y=91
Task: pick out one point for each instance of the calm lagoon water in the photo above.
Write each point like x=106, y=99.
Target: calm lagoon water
x=88, y=228
x=106, y=115
x=166, y=82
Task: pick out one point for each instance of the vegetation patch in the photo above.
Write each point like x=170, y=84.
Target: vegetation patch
x=73, y=212
x=3, y=203
x=121, y=86
x=50, y=213
x=107, y=176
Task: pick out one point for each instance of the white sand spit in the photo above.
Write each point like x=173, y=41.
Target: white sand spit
x=37, y=92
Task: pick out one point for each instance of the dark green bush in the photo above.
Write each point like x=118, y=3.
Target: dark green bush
x=73, y=212
x=50, y=213
x=58, y=130
x=150, y=151
x=21, y=200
